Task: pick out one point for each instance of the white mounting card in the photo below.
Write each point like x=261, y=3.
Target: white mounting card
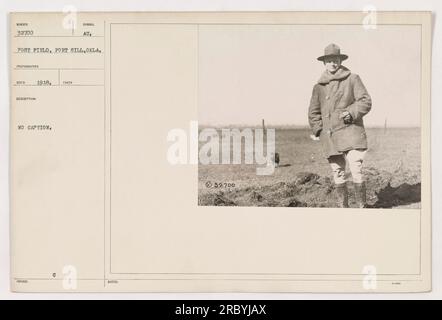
x=184, y=152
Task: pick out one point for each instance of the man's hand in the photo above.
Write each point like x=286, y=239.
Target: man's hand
x=315, y=137
x=347, y=117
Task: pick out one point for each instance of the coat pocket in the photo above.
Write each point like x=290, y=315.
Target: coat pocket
x=336, y=121
x=351, y=137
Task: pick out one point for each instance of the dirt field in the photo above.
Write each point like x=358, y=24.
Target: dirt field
x=392, y=170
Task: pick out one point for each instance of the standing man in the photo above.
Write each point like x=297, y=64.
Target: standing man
x=339, y=102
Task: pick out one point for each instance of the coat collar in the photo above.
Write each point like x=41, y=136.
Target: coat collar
x=326, y=77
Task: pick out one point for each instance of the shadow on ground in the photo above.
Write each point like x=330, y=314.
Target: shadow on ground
x=404, y=194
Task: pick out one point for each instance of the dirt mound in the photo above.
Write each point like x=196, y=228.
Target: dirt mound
x=215, y=199
x=387, y=190
x=307, y=189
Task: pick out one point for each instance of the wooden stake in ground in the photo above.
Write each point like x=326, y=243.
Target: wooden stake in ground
x=274, y=157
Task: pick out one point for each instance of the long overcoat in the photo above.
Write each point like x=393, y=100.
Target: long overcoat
x=331, y=96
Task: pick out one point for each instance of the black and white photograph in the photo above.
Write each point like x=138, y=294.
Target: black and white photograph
x=210, y=153
x=310, y=116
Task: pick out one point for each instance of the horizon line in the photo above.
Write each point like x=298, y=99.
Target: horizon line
x=279, y=126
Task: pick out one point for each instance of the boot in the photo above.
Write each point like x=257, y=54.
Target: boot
x=360, y=195
x=341, y=190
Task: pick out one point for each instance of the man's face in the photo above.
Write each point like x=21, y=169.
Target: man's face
x=332, y=64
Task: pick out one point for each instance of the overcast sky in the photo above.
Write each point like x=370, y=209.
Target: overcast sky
x=250, y=72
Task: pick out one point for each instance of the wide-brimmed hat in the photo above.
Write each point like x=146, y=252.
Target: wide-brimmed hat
x=332, y=50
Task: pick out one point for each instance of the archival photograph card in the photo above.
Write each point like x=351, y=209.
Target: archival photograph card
x=220, y=152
